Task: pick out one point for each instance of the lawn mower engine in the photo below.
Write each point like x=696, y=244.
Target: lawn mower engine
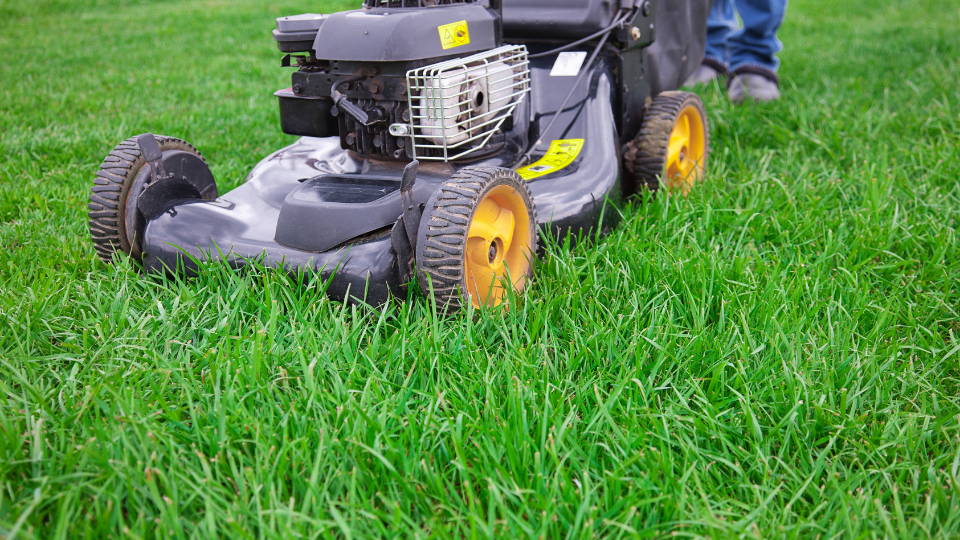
x=370, y=77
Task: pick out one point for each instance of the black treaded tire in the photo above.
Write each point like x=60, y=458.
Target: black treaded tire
x=442, y=235
x=108, y=196
x=645, y=157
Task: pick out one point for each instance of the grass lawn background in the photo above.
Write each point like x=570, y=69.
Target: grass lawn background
x=775, y=355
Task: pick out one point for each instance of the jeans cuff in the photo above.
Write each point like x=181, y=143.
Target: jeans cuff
x=764, y=72
x=717, y=65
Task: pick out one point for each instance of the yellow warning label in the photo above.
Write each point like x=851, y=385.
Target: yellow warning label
x=454, y=34
x=560, y=154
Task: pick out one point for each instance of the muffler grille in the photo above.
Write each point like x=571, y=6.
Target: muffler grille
x=456, y=106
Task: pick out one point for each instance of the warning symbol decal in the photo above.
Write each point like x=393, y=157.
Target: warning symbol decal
x=454, y=34
x=560, y=154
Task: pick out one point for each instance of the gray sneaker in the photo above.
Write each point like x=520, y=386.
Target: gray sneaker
x=708, y=71
x=746, y=86
x=703, y=75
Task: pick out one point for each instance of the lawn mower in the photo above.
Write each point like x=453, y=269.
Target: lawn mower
x=439, y=140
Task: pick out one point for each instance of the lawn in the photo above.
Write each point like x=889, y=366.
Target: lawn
x=776, y=355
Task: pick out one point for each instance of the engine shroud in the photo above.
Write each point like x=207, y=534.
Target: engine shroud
x=384, y=79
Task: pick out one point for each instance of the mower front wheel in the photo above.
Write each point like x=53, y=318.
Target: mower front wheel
x=477, y=239
x=115, y=224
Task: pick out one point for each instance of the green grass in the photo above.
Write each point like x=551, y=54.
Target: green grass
x=775, y=355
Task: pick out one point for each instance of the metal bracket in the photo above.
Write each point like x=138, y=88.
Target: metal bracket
x=412, y=212
x=285, y=61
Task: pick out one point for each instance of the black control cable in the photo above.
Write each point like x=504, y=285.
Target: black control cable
x=615, y=24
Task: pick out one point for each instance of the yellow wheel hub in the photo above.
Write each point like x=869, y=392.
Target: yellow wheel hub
x=498, y=246
x=685, y=153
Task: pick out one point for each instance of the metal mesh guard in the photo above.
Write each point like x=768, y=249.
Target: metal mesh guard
x=457, y=105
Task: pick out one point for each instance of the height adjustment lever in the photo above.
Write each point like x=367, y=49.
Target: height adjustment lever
x=150, y=149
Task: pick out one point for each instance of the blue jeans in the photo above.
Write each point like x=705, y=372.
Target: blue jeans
x=752, y=46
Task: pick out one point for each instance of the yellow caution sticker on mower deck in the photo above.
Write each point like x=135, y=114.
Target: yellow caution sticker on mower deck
x=560, y=154
x=454, y=34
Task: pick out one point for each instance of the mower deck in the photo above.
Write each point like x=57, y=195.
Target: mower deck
x=240, y=227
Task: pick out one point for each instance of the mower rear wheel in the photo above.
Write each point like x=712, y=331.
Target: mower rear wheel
x=114, y=223
x=672, y=147
x=477, y=238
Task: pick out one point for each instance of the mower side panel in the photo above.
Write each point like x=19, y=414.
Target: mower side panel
x=634, y=91
x=577, y=198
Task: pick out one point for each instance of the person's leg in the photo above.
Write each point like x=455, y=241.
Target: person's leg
x=720, y=23
x=753, y=49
